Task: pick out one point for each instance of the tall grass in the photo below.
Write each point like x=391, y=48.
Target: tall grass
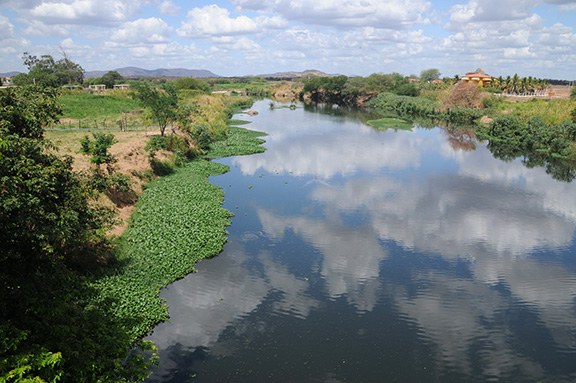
x=551, y=112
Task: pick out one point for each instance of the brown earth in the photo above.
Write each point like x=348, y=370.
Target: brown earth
x=561, y=91
x=132, y=161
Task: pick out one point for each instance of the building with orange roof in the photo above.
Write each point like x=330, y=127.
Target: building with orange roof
x=477, y=77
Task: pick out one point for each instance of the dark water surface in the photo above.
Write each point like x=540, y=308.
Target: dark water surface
x=365, y=256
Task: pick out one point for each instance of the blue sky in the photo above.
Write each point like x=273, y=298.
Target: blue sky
x=242, y=37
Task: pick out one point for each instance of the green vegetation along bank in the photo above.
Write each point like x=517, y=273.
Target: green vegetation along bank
x=179, y=220
x=73, y=303
x=541, y=133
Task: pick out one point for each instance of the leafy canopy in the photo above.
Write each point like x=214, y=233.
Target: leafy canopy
x=48, y=72
x=429, y=75
x=162, y=102
x=50, y=329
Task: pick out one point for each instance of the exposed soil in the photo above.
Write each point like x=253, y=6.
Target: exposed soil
x=132, y=161
x=561, y=91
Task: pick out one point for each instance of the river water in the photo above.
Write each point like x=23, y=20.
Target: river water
x=358, y=255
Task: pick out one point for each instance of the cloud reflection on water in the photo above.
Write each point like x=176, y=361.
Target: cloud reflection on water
x=416, y=191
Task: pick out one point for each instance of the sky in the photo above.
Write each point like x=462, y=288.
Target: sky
x=251, y=37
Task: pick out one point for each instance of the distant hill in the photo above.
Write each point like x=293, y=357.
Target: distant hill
x=9, y=74
x=292, y=75
x=133, y=72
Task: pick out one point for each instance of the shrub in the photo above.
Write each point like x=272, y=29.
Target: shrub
x=386, y=104
x=461, y=116
x=172, y=143
x=466, y=95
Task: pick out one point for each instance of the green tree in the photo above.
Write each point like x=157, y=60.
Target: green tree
x=50, y=328
x=25, y=111
x=111, y=78
x=162, y=102
x=42, y=209
x=428, y=75
x=189, y=83
x=98, y=150
x=47, y=72
x=325, y=89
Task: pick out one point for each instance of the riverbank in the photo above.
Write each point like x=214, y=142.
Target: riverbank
x=178, y=221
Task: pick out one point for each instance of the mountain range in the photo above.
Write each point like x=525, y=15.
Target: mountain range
x=292, y=75
x=135, y=72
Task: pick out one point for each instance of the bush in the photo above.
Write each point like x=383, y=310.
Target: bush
x=408, y=90
x=491, y=102
x=387, y=104
x=461, y=116
x=467, y=95
x=172, y=143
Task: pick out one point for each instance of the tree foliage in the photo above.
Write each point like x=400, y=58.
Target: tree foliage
x=162, y=102
x=189, y=83
x=348, y=91
x=98, y=149
x=45, y=71
x=537, y=143
x=520, y=85
x=111, y=78
x=25, y=111
x=428, y=75
x=325, y=89
x=51, y=236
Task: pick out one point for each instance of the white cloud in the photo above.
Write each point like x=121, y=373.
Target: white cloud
x=565, y=5
x=355, y=13
x=37, y=28
x=6, y=28
x=559, y=36
x=98, y=12
x=152, y=30
x=213, y=20
x=241, y=43
x=356, y=37
x=168, y=7
x=491, y=10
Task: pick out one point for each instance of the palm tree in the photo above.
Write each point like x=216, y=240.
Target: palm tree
x=515, y=84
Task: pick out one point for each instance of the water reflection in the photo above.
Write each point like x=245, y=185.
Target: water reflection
x=358, y=255
x=350, y=264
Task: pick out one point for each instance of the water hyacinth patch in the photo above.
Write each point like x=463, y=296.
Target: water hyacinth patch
x=179, y=221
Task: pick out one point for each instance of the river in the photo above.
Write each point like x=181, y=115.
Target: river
x=358, y=255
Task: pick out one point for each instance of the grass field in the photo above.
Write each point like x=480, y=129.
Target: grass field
x=86, y=110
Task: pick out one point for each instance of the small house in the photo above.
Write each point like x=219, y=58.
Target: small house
x=477, y=77
x=97, y=88
x=6, y=81
x=122, y=86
